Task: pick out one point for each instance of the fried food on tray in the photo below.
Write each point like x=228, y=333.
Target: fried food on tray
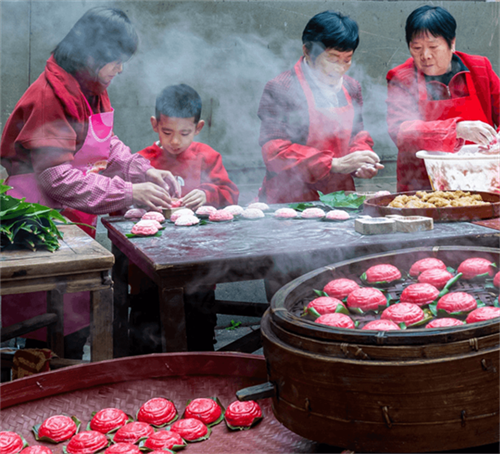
x=437, y=199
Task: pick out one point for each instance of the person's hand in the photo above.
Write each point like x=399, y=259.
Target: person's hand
x=151, y=196
x=195, y=199
x=368, y=170
x=476, y=131
x=354, y=161
x=165, y=179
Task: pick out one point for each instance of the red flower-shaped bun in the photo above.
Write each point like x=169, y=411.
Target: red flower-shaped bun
x=108, y=419
x=312, y=213
x=337, y=320
x=382, y=273
x=57, y=428
x=496, y=280
x=190, y=429
x=444, y=322
x=164, y=439
x=157, y=411
x=457, y=302
x=340, y=288
x=153, y=216
x=133, y=432
x=324, y=305
x=10, y=443
x=144, y=229
x=221, y=216
x=36, y=449
x=381, y=325
x=419, y=294
x=407, y=313
x=242, y=414
x=366, y=298
x=87, y=442
x=435, y=276
x=426, y=264
x=182, y=212
x=206, y=410
x=135, y=213
x=123, y=448
x=482, y=314
x=475, y=266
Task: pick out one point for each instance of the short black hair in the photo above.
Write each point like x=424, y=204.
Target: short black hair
x=180, y=101
x=432, y=19
x=330, y=30
x=102, y=35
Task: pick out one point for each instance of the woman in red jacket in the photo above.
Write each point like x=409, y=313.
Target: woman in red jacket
x=439, y=98
x=312, y=134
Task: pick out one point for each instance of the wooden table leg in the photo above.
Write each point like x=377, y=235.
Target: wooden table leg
x=120, y=304
x=173, y=319
x=55, y=332
x=101, y=324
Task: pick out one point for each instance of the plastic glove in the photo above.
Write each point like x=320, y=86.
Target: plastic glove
x=476, y=131
x=354, y=161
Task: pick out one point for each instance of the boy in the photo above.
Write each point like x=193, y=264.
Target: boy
x=205, y=182
x=177, y=122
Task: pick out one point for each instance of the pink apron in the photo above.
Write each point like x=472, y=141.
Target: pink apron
x=93, y=156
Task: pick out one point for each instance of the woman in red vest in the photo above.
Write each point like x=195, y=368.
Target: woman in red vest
x=312, y=133
x=439, y=98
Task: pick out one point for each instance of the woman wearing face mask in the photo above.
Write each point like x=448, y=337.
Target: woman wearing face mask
x=440, y=98
x=311, y=134
x=59, y=149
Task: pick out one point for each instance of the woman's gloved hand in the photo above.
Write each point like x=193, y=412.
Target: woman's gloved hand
x=355, y=161
x=476, y=131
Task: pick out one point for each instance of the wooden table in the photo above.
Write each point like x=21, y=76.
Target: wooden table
x=246, y=250
x=80, y=264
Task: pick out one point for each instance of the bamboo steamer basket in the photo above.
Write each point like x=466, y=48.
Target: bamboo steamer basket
x=416, y=390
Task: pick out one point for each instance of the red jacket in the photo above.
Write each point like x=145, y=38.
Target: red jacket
x=294, y=170
x=200, y=166
x=411, y=133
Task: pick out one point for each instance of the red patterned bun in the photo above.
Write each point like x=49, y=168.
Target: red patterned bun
x=426, y=264
x=482, y=314
x=324, y=305
x=153, y=216
x=190, y=429
x=475, y=266
x=163, y=439
x=133, y=432
x=57, y=428
x=176, y=203
x=108, y=419
x=337, y=320
x=457, y=302
x=312, y=213
x=182, y=212
x=204, y=409
x=444, y=322
x=235, y=210
x=10, y=443
x=381, y=325
x=419, y=294
x=337, y=215
x=340, y=288
x=496, y=280
x=157, y=411
x=382, y=273
x=205, y=210
x=87, y=442
x=285, y=213
x=436, y=277
x=36, y=449
x=123, y=448
x=221, y=216
x=144, y=229
x=243, y=414
x=366, y=298
x=259, y=205
x=407, y=313
x=135, y=213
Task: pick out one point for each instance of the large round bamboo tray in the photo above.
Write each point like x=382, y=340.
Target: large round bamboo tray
x=127, y=383
x=417, y=390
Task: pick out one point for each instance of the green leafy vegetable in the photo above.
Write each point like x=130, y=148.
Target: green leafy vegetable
x=26, y=224
x=301, y=206
x=340, y=199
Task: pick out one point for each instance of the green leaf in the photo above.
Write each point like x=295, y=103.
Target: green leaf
x=433, y=307
x=495, y=303
x=233, y=326
x=320, y=293
x=340, y=199
x=301, y=206
x=450, y=269
x=313, y=312
x=133, y=235
x=341, y=309
x=451, y=282
x=402, y=325
x=254, y=422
